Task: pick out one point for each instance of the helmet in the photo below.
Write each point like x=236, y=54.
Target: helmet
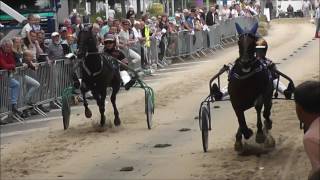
x=262, y=44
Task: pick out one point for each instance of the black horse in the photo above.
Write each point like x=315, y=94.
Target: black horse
x=250, y=85
x=97, y=74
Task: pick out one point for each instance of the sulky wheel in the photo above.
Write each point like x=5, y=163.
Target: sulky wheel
x=66, y=112
x=204, y=124
x=148, y=108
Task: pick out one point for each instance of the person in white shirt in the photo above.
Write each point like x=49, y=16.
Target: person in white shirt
x=126, y=42
x=225, y=12
x=111, y=13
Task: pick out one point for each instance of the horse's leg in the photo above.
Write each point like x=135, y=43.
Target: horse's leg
x=115, y=90
x=260, y=137
x=87, y=111
x=238, y=144
x=101, y=104
x=267, y=113
x=247, y=132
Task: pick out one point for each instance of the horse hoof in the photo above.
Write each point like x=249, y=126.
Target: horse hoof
x=247, y=133
x=88, y=113
x=102, y=121
x=270, y=142
x=238, y=146
x=260, y=138
x=117, y=122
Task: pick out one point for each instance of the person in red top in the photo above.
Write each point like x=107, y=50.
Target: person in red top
x=7, y=62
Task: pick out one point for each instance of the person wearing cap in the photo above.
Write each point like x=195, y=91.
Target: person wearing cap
x=55, y=50
x=125, y=42
x=307, y=100
x=121, y=73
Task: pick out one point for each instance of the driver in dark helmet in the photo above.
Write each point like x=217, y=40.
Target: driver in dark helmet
x=261, y=52
x=110, y=49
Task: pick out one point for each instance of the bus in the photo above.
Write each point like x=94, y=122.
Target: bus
x=45, y=8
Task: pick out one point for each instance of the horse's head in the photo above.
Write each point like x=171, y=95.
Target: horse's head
x=247, y=43
x=87, y=41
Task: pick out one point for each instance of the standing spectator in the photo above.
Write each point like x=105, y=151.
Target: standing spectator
x=28, y=27
x=225, y=12
x=36, y=26
x=163, y=26
x=17, y=49
x=290, y=10
x=29, y=79
x=186, y=14
x=317, y=20
x=111, y=13
x=130, y=12
x=126, y=42
x=305, y=8
x=78, y=26
x=67, y=26
x=270, y=6
x=307, y=100
x=240, y=12
x=7, y=62
x=212, y=16
x=55, y=50
x=33, y=46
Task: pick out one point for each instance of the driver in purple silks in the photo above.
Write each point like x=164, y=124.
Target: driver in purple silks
x=307, y=100
x=261, y=52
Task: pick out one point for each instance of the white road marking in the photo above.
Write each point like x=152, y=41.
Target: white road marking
x=3, y=135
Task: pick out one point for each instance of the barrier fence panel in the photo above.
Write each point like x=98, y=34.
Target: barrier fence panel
x=4, y=92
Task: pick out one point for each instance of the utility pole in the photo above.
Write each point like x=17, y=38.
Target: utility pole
x=138, y=8
x=172, y=6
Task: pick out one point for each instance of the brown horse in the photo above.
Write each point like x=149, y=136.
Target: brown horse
x=249, y=86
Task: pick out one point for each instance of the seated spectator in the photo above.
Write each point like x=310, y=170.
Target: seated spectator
x=55, y=50
x=307, y=99
x=7, y=62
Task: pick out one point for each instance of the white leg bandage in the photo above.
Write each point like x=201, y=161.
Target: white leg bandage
x=281, y=86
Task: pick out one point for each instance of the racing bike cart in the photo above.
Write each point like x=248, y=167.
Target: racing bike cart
x=148, y=91
x=205, y=115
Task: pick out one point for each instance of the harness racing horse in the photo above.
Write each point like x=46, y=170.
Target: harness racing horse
x=97, y=74
x=249, y=86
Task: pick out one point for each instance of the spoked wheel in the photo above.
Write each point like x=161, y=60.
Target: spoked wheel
x=204, y=125
x=149, y=109
x=66, y=100
x=66, y=112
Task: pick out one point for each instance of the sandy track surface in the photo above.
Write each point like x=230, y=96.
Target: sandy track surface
x=87, y=152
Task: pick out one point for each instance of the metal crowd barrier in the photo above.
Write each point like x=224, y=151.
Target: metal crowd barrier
x=54, y=78
x=185, y=43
